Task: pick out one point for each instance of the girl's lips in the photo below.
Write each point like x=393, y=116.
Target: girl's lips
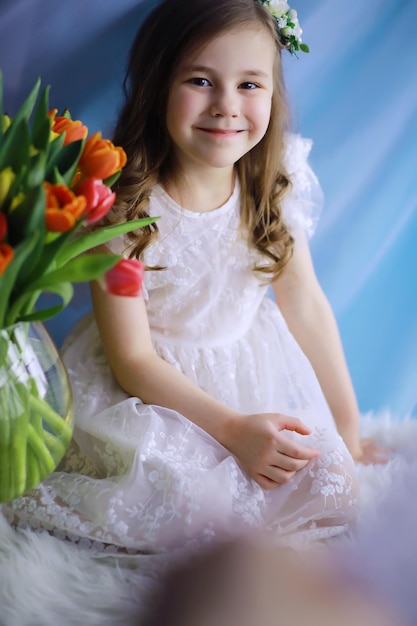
x=221, y=131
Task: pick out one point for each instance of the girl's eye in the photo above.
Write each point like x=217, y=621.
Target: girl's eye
x=249, y=86
x=200, y=82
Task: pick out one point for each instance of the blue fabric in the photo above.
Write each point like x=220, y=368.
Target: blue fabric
x=355, y=95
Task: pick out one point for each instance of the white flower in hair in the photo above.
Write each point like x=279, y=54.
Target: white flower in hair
x=278, y=8
x=298, y=31
x=288, y=27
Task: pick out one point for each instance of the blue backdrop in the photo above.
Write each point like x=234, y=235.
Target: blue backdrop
x=355, y=95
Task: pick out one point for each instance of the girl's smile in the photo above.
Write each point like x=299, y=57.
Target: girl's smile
x=219, y=104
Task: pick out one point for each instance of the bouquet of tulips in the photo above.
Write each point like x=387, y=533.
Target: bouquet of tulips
x=54, y=181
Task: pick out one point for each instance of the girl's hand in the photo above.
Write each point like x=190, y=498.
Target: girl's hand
x=263, y=450
x=371, y=453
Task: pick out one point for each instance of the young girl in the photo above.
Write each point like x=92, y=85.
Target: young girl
x=204, y=409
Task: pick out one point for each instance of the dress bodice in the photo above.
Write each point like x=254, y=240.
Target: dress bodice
x=208, y=289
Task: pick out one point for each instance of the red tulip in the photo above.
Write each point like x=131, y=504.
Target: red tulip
x=63, y=208
x=99, y=198
x=6, y=256
x=3, y=227
x=124, y=279
x=101, y=158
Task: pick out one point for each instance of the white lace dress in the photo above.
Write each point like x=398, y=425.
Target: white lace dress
x=143, y=477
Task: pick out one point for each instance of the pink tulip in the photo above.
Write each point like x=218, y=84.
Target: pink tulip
x=124, y=279
x=99, y=197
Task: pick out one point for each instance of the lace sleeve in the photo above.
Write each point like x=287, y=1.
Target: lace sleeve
x=303, y=204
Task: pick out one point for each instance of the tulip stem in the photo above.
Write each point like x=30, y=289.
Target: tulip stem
x=19, y=421
x=55, y=445
x=33, y=475
x=54, y=421
x=5, y=473
x=44, y=457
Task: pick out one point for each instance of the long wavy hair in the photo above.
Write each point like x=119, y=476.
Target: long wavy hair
x=174, y=29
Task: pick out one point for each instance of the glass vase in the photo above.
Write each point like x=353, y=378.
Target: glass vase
x=36, y=418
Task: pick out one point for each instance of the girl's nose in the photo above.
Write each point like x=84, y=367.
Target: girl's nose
x=224, y=104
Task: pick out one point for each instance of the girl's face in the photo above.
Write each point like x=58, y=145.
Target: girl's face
x=219, y=104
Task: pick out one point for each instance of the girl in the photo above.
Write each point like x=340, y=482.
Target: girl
x=203, y=409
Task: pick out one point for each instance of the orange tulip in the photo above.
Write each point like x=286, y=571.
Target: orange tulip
x=63, y=208
x=6, y=256
x=74, y=129
x=101, y=158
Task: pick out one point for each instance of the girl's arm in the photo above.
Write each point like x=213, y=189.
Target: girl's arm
x=256, y=440
x=311, y=320
x=125, y=335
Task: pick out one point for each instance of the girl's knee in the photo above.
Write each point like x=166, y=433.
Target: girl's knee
x=334, y=482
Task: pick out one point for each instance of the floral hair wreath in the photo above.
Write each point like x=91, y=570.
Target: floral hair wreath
x=288, y=27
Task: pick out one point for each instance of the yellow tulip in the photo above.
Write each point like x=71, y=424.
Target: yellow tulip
x=18, y=199
x=52, y=136
x=7, y=177
x=5, y=123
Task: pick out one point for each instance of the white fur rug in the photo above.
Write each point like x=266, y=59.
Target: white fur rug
x=45, y=581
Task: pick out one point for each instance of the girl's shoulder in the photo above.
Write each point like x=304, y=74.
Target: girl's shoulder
x=303, y=203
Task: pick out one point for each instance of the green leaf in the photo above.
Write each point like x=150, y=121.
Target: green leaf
x=304, y=47
x=28, y=217
x=26, y=109
x=81, y=269
x=86, y=242
x=37, y=168
x=1, y=101
x=54, y=147
x=57, y=179
x=25, y=222
x=9, y=276
x=50, y=251
x=65, y=291
x=4, y=346
x=15, y=149
x=41, y=123
x=43, y=138
x=66, y=161
x=109, y=182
